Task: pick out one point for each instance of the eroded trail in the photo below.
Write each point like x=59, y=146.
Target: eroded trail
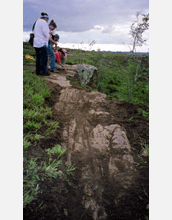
x=98, y=147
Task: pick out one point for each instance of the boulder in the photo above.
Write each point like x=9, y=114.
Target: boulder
x=85, y=73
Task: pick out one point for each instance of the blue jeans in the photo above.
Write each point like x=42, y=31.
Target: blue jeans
x=52, y=57
x=41, y=60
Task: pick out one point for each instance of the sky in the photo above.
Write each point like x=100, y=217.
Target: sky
x=79, y=22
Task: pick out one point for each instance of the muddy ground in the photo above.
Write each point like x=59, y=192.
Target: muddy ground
x=105, y=184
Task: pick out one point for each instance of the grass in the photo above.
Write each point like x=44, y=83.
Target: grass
x=131, y=119
x=56, y=150
x=116, y=74
x=51, y=169
x=30, y=181
x=36, y=115
x=34, y=92
x=143, y=112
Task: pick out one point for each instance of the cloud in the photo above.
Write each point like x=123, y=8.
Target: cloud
x=108, y=29
x=79, y=16
x=26, y=36
x=107, y=22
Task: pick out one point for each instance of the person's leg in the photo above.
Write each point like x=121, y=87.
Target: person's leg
x=37, y=61
x=43, y=60
x=52, y=57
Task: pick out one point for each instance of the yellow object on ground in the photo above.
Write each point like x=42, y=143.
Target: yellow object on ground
x=29, y=57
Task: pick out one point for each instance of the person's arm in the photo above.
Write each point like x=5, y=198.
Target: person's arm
x=58, y=59
x=50, y=38
x=62, y=66
x=53, y=41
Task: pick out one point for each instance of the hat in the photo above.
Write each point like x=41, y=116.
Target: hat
x=44, y=15
x=57, y=37
x=65, y=51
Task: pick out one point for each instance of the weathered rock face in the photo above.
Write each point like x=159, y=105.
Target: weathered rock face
x=101, y=151
x=59, y=79
x=85, y=73
x=105, y=153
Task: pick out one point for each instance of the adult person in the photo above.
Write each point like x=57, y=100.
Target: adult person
x=41, y=37
x=61, y=57
x=52, y=40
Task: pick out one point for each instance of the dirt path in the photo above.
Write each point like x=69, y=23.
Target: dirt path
x=104, y=147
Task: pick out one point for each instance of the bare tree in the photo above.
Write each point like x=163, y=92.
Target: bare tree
x=137, y=30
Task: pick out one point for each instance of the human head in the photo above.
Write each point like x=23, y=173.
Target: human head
x=56, y=37
x=44, y=16
x=62, y=52
x=65, y=51
x=52, y=25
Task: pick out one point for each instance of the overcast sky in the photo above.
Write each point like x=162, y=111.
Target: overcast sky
x=105, y=21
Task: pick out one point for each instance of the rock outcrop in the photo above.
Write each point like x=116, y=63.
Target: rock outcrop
x=100, y=150
x=85, y=73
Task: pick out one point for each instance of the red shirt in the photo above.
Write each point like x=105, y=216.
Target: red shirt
x=58, y=56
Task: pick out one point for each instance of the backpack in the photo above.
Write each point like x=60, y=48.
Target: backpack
x=32, y=35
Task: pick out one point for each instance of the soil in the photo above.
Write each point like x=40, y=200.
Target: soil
x=95, y=191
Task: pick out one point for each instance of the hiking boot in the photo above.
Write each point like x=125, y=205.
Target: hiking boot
x=51, y=70
x=37, y=73
x=46, y=74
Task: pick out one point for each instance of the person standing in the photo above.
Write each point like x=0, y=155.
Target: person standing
x=52, y=40
x=41, y=37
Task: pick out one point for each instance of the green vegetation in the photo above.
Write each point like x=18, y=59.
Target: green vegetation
x=56, y=150
x=28, y=49
x=143, y=112
x=35, y=116
x=131, y=119
x=142, y=161
x=117, y=73
x=30, y=181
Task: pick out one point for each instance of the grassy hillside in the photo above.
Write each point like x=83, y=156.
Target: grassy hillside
x=116, y=73
x=44, y=161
